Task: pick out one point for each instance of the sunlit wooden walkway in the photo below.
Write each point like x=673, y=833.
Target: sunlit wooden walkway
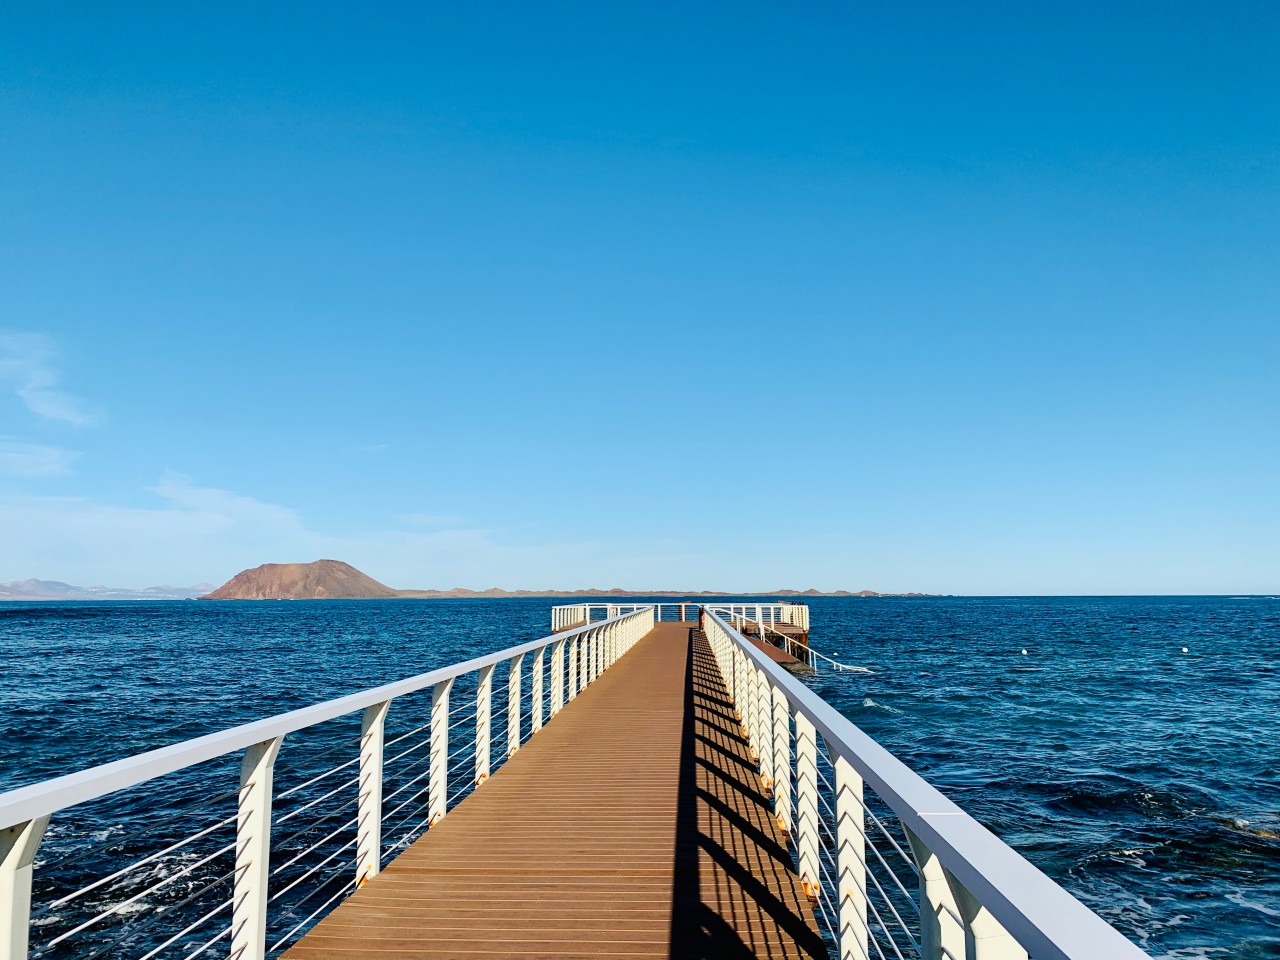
x=633, y=825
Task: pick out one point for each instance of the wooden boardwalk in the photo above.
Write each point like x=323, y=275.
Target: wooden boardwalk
x=632, y=825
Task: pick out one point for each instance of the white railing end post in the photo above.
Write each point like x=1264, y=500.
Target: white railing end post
x=514, y=718
x=369, y=787
x=18, y=846
x=253, y=851
x=438, y=764
x=941, y=933
x=484, y=723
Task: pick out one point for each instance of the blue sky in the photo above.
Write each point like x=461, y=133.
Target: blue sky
x=951, y=298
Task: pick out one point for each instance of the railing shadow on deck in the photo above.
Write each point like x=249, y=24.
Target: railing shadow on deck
x=713, y=744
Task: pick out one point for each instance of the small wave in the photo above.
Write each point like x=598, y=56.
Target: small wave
x=1244, y=826
x=1108, y=797
x=877, y=705
x=1241, y=900
x=1135, y=857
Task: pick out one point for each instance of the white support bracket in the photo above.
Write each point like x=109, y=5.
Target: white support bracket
x=513, y=704
x=984, y=937
x=18, y=846
x=782, y=778
x=557, y=677
x=369, y=804
x=574, y=650
x=438, y=778
x=851, y=860
x=253, y=851
x=807, y=806
x=535, y=691
x=941, y=925
x=484, y=723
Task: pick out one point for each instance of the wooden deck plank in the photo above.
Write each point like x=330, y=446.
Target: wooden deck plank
x=633, y=825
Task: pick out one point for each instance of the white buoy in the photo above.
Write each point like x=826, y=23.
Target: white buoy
x=1024, y=653
x=1185, y=650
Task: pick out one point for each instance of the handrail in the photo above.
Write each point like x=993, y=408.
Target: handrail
x=346, y=817
x=566, y=615
x=844, y=667
x=1040, y=915
x=781, y=611
x=48, y=797
x=571, y=614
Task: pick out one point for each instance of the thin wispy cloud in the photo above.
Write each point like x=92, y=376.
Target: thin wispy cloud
x=28, y=368
x=19, y=459
x=84, y=540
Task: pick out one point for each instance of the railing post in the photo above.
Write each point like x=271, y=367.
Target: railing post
x=513, y=704
x=438, y=778
x=373, y=725
x=484, y=723
x=764, y=727
x=807, y=806
x=742, y=676
x=18, y=846
x=941, y=930
x=575, y=645
x=782, y=759
x=536, y=680
x=985, y=938
x=557, y=677
x=253, y=852
x=851, y=860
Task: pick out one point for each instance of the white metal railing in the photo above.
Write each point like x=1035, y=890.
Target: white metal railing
x=897, y=870
x=792, y=614
x=788, y=642
x=247, y=870
x=569, y=615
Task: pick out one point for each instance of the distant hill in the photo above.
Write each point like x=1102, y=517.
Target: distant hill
x=321, y=580
x=497, y=592
x=335, y=580
x=57, y=590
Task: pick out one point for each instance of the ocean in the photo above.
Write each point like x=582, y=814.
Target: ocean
x=1128, y=746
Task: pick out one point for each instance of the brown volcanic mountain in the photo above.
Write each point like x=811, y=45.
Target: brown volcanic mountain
x=322, y=580
x=335, y=580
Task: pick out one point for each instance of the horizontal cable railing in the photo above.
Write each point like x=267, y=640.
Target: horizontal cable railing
x=566, y=616
x=791, y=614
x=569, y=615
x=139, y=858
x=892, y=868
x=787, y=642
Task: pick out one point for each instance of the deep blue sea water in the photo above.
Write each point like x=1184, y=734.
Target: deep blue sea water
x=1144, y=778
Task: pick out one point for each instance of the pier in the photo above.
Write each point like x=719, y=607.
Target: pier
x=649, y=780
